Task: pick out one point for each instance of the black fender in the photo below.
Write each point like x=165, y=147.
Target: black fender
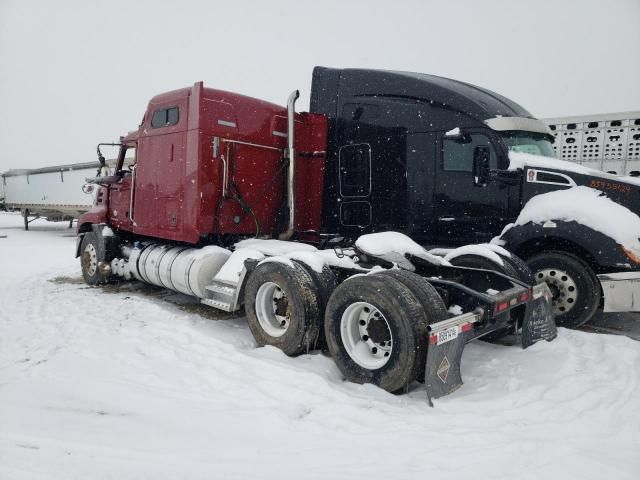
x=107, y=244
x=600, y=251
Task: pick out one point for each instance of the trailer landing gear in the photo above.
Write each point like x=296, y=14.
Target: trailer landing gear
x=25, y=216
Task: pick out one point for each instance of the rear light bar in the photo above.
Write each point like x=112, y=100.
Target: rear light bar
x=505, y=304
x=449, y=329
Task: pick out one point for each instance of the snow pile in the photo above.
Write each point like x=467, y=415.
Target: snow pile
x=484, y=250
x=498, y=249
x=284, y=252
x=454, y=132
x=586, y=206
x=393, y=246
x=317, y=260
x=117, y=383
x=455, y=309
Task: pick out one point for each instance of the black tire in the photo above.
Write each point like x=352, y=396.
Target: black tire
x=325, y=282
x=91, y=254
x=299, y=304
x=25, y=215
x=578, y=292
x=432, y=304
x=404, y=323
x=522, y=270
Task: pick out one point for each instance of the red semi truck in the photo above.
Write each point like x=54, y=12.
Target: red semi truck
x=226, y=201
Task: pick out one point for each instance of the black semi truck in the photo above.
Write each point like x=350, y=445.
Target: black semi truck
x=449, y=163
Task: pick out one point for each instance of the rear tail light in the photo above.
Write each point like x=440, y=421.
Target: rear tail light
x=524, y=296
x=505, y=304
x=466, y=327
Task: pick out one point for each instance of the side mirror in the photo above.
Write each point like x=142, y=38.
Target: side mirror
x=481, y=168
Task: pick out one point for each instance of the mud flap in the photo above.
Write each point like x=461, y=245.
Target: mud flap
x=446, y=344
x=538, y=323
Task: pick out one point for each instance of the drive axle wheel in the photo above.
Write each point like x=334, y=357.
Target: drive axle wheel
x=574, y=286
x=366, y=335
x=374, y=326
x=272, y=309
x=281, y=303
x=90, y=258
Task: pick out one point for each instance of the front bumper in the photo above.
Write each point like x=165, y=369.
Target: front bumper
x=621, y=291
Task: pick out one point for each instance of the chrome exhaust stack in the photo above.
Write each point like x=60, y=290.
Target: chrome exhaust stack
x=291, y=155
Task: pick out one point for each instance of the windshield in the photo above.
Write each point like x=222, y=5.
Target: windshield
x=528, y=142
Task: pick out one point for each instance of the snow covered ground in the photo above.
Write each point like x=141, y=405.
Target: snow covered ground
x=131, y=382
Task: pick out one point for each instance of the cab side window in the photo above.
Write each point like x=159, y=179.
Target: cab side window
x=457, y=153
x=165, y=117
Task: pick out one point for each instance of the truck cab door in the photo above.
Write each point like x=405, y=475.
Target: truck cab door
x=466, y=209
x=160, y=172
x=120, y=193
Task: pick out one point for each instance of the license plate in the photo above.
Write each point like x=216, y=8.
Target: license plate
x=447, y=335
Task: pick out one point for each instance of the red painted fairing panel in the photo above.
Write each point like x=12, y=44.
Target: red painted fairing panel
x=97, y=213
x=179, y=180
x=311, y=141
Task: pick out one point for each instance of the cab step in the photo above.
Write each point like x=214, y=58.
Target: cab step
x=220, y=305
x=222, y=291
x=222, y=295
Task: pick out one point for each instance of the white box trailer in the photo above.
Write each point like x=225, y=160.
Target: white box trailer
x=55, y=193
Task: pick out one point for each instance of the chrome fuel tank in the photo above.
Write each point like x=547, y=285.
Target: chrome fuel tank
x=184, y=269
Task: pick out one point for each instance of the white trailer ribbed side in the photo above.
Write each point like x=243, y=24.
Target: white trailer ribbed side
x=607, y=141
x=54, y=193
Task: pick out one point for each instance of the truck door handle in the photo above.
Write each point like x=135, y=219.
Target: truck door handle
x=446, y=219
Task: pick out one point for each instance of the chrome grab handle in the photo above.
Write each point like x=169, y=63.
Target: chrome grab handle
x=225, y=172
x=133, y=189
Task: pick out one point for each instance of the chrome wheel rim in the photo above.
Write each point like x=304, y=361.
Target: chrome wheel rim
x=563, y=289
x=272, y=309
x=366, y=335
x=90, y=259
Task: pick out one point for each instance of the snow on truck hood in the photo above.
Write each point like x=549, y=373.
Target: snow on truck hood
x=521, y=160
x=586, y=206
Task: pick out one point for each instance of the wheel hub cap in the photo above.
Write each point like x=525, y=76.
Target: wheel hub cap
x=366, y=335
x=563, y=289
x=90, y=259
x=272, y=309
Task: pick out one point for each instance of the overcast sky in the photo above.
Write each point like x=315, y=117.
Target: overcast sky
x=74, y=73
